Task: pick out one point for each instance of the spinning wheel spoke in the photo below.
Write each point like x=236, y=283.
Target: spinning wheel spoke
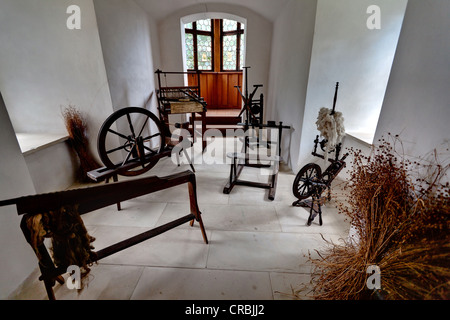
x=142, y=128
x=303, y=188
x=311, y=174
x=152, y=136
x=131, y=125
x=119, y=148
x=117, y=133
x=128, y=155
x=151, y=150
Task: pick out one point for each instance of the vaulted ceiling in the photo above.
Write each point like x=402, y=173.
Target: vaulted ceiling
x=159, y=9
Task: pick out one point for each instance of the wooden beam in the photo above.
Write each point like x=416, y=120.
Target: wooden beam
x=92, y=198
x=217, y=45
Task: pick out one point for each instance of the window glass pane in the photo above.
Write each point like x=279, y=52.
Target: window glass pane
x=188, y=25
x=241, y=53
x=189, y=50
x=229, y=25
x=229, y=52
x=204, y=25
x=242, y=26
x=204, y=52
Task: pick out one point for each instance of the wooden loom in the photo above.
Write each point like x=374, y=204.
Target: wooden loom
x=182, y=100
x=93, y=198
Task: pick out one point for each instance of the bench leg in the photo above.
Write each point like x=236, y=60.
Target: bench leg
x=273, y=186
x=115, y=179
x=194, y=208
x=235, y=171
x=202, y=228
x=189, y=160
x=203, y=130
x=313, y=212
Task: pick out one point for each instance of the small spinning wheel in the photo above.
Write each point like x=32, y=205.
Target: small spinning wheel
x=311, y=182
x=130, y=138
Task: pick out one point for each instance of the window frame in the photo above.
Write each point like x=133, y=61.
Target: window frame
x=238, y=32
x=195, y=33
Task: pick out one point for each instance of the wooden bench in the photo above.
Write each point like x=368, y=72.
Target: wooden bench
x=258, y=160
x=93, y=198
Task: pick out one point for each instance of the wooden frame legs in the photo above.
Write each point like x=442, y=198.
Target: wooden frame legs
x=236, y=169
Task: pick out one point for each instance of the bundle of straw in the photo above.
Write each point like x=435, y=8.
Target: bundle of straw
x=402, y=226
x=76, y=126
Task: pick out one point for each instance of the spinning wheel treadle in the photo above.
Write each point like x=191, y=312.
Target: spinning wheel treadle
x=129, y=139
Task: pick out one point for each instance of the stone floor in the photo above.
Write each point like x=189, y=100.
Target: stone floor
x=258, y=249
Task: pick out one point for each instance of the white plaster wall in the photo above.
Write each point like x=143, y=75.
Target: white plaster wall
x=155, y=44
x=53, y=168
x=417, y=101
x=125, y=31
x=360, y=59
x=127, y=43
x=44, y=65
x=17, y=259
x=258, y=42
x=349, y=142
x=289, y=69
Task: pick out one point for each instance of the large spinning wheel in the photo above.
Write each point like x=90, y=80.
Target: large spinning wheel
x=130, y=139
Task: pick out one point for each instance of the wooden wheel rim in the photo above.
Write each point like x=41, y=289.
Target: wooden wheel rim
x=302, y=183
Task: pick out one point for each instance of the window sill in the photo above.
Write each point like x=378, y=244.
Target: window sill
x=32, y=142
x=363, y=137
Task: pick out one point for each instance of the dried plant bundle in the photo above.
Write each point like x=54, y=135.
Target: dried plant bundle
x=76, y=126
x=402, y=226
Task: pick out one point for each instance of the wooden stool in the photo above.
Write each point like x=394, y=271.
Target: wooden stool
x=252, y=160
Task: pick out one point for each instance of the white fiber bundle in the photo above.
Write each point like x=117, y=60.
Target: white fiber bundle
x=331, y=127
